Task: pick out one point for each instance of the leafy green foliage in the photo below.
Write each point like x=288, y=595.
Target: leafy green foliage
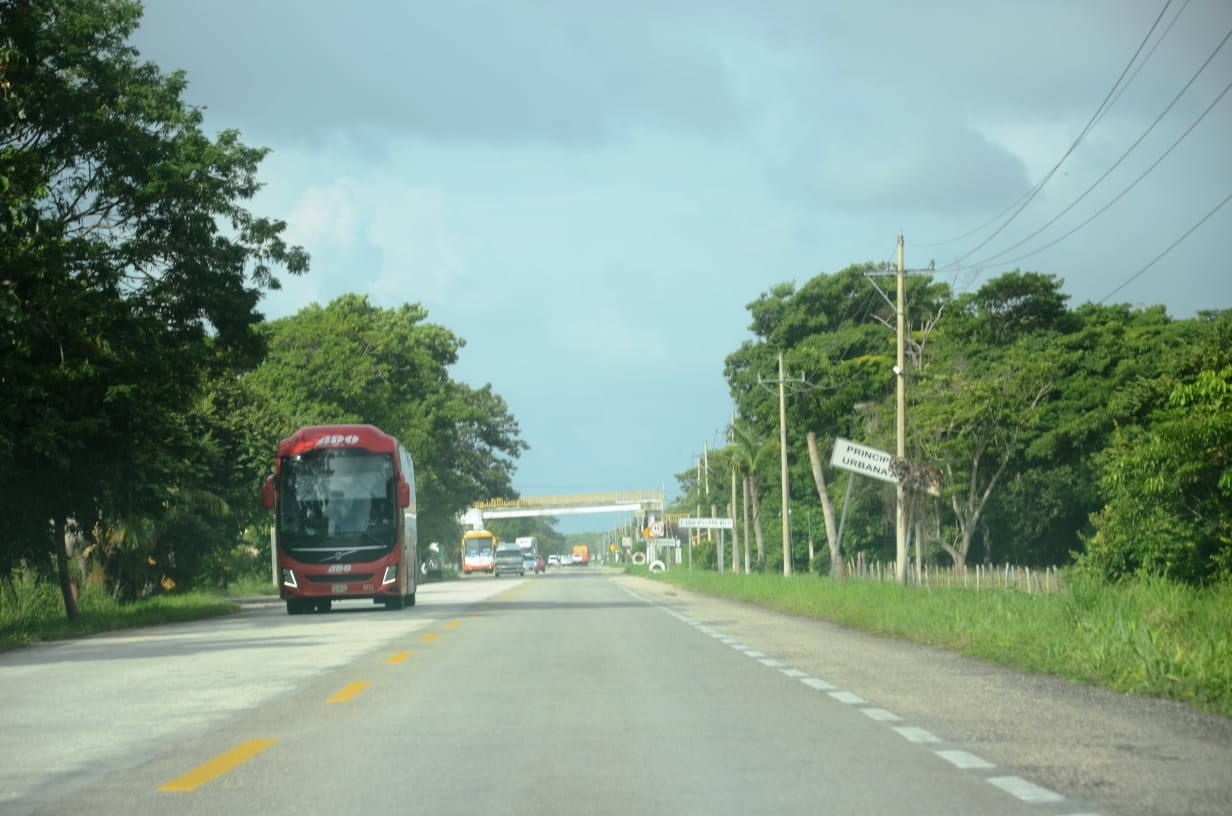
x=130, y=269
x=1168, y=482
x=1016, y=304
x=32, y=612
x=968, y=415
x=350, y=361
x=130, y=272
x=1033, y=415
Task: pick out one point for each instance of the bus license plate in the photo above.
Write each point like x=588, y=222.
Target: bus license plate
x=337, y=588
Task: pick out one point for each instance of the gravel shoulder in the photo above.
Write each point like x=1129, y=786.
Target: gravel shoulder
x=1136, y=756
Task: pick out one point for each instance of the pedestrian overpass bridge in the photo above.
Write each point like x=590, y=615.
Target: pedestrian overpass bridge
x=638, y=502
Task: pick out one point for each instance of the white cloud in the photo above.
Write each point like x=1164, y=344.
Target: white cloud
x=422, y=254
x=325, y=215
x=376, y=236
x=589, y=195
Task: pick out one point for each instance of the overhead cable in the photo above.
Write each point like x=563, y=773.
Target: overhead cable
x=1095, y=117
x=1171, y=247
x=1131, y=185
x=1123, y=156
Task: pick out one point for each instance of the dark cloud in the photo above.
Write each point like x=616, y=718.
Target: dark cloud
x=923, y=167
x=551, y=72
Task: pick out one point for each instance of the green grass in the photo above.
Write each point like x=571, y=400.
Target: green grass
x=251, y=586
x=1149, y=637
x=35, y=613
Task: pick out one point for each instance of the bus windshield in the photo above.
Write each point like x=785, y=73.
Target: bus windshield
x=337, y=505
x=479, y=546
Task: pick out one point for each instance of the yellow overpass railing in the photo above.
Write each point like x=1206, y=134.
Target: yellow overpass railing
x=650, y=499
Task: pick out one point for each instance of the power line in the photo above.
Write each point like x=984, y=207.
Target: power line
x=1131, y=185
x=1095, y=117
x=1099, y=117
x=1171, y=247
x=1123, y=156
x=1149, y=54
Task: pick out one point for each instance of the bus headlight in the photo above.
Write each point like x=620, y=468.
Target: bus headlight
x=288, y=578
x=391, y=575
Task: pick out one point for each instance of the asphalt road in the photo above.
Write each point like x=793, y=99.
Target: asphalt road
x=580, y=691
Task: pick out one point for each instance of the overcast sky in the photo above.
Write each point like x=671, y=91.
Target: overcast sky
x=589, y=193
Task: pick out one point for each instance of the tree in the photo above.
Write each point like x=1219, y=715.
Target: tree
x=350, y=361
x=1114, y=365
x=968, y=415
x=1016, y=304
x=723, y=469
x=749, y=452
x=129, y=265
x=838, y=331
x=1013, y=396
x=235, y=427
x=1168, y=482
x=827, y=508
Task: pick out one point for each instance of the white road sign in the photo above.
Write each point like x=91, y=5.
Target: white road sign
x=862, y=459
x=719, y=523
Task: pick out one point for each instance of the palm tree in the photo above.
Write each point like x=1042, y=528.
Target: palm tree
x=749, y=450
x=722, y=462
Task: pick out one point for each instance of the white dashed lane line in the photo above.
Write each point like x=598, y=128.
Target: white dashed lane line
x=816, y=683
x=881, y=715
x=964, y=760
x=1026, y=791
x=918, y=735
x=1015, y=786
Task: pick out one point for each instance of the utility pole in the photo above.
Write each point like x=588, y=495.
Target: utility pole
x=900, y=424
x=900, y=428
x=782, y=384
x=783, y=463
x=710, y=533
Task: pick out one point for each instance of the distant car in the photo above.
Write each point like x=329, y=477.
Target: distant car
x=530, y=562
x=540, y=565
x=577, y=558
x=508, y=559
x=553, y=560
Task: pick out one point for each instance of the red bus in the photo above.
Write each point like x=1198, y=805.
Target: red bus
x=343, y=498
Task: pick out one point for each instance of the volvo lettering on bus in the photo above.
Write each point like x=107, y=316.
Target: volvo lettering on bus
x=345, y=515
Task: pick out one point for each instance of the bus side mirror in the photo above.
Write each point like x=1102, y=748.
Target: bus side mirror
x=404, y=492
x=267, y=493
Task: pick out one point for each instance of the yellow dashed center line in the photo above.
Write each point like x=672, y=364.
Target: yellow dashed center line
x=349, y=691
x=218, y=766
x=428, y=638
x=453, y=624
x=398, y=657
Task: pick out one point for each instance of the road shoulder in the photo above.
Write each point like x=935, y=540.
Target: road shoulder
x=1134, y=755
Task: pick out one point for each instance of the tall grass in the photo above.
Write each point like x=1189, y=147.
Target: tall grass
x=251, y=585
x=34, y=611
x=1149, y=636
